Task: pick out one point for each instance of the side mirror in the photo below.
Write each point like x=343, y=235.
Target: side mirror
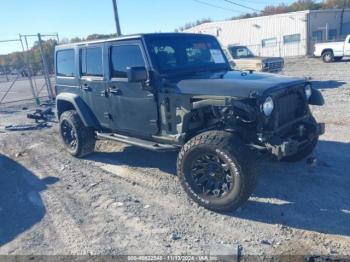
x=136, y=74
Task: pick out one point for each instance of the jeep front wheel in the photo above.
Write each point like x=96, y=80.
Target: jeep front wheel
x=78, y=139
x=216, y=170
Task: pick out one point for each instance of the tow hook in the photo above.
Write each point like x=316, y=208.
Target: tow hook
x=282, y=149
x=287, y=148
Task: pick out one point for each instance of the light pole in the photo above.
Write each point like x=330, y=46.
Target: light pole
x=116, y=18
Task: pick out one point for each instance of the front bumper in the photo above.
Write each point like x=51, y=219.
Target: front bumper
x=273, y=67
x=272, y=70
x=284, y=147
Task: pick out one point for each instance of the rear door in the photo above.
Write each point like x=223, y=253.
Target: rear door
x=67, y=75
x=134, y=108
x=92, y=82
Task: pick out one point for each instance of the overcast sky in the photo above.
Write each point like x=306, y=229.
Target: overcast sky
x=70, y=18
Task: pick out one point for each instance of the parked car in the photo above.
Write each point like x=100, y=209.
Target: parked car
x=177, y=91
x=241, y=58
x=333, y=51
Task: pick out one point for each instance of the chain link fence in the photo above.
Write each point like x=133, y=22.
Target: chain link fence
x=27, y=75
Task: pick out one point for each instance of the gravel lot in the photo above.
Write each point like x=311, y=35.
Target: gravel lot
x=125, y=200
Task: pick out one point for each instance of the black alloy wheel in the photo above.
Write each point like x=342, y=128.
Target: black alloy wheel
x=212, y=176
x=216, y=169
x=78, y=139
x=69, y=135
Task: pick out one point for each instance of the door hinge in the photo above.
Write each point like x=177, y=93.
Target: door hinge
x=108, y=115
x=153, y=123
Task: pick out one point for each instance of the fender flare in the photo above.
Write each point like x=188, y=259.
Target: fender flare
x=83, y=110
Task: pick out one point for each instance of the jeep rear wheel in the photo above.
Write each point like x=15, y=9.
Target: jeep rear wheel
x=328, y=57
x=78, y=139
x=216, y=170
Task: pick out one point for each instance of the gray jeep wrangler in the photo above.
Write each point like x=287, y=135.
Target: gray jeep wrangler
x=177, y=92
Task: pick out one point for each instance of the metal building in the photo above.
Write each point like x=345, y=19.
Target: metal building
x=289, y=34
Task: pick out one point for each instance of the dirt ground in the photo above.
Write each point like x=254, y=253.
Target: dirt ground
x=125, y=200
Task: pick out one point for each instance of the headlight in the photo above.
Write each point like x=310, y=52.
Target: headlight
x=268, y=106
x=308, y=91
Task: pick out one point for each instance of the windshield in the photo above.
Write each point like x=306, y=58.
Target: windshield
x=238, y=52
x=183, y=53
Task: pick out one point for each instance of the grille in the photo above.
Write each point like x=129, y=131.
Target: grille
x=289, y=107
x=273, y=66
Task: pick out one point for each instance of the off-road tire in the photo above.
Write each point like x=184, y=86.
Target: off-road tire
x=235, y=153
x=303, y=153
x=328, y=57
x=86, y=138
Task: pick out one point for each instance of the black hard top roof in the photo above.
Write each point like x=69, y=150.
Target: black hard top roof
x=127, y=37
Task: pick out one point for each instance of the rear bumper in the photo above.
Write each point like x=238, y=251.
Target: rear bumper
x=284, y=147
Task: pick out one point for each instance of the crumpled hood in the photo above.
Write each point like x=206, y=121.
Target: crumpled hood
x=237, y=84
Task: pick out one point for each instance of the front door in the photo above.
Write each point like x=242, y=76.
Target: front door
x=134, y=109
x=93, y=84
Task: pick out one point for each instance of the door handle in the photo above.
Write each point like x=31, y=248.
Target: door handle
x=105, y=93
x=115, y=91
x=86, y=87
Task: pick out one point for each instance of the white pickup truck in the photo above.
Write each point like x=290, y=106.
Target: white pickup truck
x=333, y=51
